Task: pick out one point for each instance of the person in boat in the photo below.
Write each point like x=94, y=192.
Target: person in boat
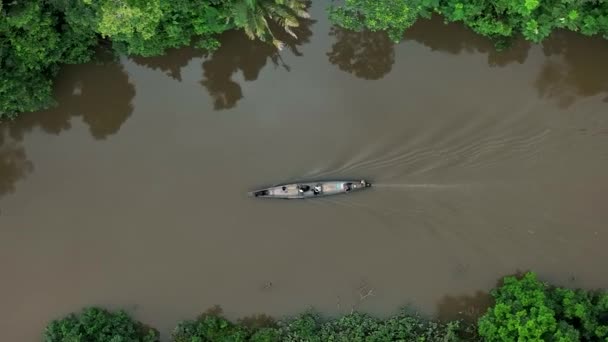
x=303, y=188
x=317, y=189
x=347, y=187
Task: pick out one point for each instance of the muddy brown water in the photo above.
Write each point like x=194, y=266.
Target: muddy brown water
x=132, y=192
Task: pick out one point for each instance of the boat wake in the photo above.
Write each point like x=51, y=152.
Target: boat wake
x=421, y=186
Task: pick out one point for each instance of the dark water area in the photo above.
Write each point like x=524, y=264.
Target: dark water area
x=131, y=193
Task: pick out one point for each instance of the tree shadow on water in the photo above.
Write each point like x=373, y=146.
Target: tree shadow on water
x=172, y=62
x=367, y=55
x=371, y=55
x=99, y=93
x=466, y=308
x=239, y=53
x=455, y=38
x=255, y=321
x=14, y=164
x=574, y=68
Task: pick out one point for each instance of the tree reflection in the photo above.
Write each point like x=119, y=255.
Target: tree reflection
x=14, y=164
x=455, y=38
x=100, y=93
x=239, y=53
x=371, y=55
x=367, y=55
x=466, y=308
x=236, y=53
x=574, y=68
x=172, y=62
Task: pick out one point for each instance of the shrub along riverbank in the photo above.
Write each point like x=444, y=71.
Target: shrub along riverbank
x=37, y=37
x=525, y=309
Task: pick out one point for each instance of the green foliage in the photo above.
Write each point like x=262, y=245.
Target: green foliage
x=525, y=309
x=499, y=20
x=305, y=327
x=37, y=37
x=377, y=15
x=210, y=328
x=34, y=39
x=310, y=327
x=403, y=327
x=522, y=311
x=253, y=17
x=98, y=325
x=148, y=28
x=529, y=310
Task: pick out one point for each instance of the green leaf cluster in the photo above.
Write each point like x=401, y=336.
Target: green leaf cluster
x=98, y=325
x=497, y=19
x=525, y=309
x=391, y=16
x=148, y=28
x=38, y=36
x=529, y=310
x=311, y=327
x=34, y=39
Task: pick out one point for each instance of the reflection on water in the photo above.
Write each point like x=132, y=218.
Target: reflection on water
x=100, y=93
x=257, y=321
x=455, y=38
x=236, y=53
x=473, y=169
x=14, y=164
x=172, y=62
x=239, y=53
x=367, y=55
x=466, y=308
x=574, y=68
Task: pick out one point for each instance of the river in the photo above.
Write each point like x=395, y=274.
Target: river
x=131, y=193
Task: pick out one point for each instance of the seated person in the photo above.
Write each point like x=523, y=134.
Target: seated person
x=347, y=187
x=317, y=189
x=303, y=188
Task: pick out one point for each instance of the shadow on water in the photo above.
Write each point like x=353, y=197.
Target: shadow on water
x=258, y=321
x=255, y=321
x=239, y=53
x=14, y=164
x=371, y=55
x=466, y=308
x=236, y=53
x=575, y=68
x=172, y=62
x=99, y=93
x=455, y=38
x=367, y=55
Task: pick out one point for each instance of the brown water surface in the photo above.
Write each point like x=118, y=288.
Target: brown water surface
x=132, y=192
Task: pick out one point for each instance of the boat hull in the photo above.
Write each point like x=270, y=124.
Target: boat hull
x=311, y=189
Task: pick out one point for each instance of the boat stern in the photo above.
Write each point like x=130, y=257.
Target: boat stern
x=362, y=184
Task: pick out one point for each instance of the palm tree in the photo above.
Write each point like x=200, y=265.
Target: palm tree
x=253, y=17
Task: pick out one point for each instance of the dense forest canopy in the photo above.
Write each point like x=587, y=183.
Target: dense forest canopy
x=524, y=309
x=37, y=37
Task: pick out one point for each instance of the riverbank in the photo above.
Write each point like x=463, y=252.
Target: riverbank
x=524, y=308
x=37, y=39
